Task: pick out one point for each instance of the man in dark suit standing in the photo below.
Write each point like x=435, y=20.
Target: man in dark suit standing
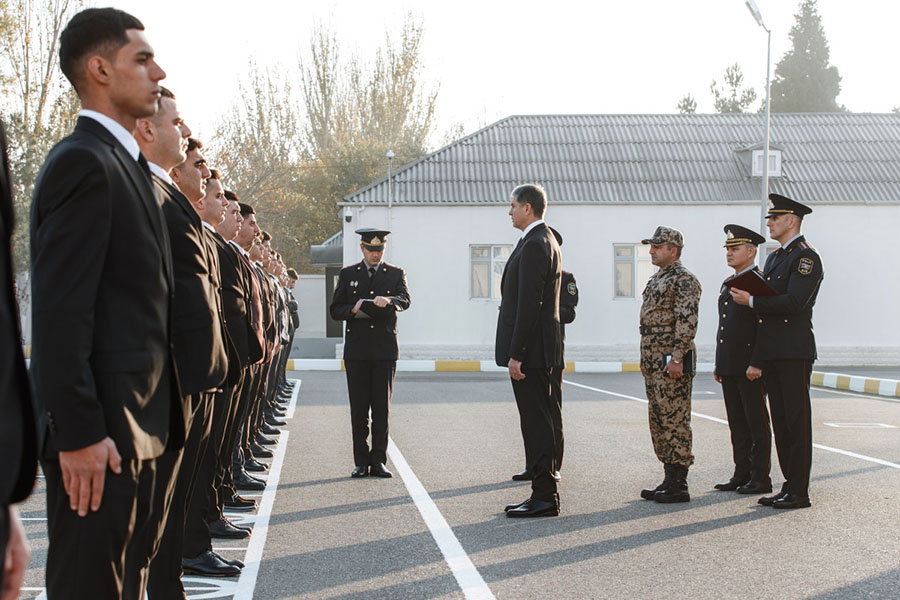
x=368, y=297
x=102, y=365
x=529, y=343
x=18, y=435
x=786, y=345
x=199, y=342
x=742, y=384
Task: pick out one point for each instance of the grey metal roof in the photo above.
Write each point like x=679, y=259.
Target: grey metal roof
x=693, y=158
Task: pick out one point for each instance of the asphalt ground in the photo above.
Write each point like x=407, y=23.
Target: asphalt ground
x=325, y=535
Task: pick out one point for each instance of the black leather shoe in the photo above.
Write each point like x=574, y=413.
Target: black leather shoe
x=242, y=481
x=240, y=504
x=275, y=422
x=534, y=508
x=509, y=507
x=259, y=452
x=359, y=472
x=278, y=412
x=254, y=466
x=732, y=484
x=770, y=500
x=210, y=565
x=792, y=501
x=222, y=528
x=265, y=441
x=526, y=475
x=246, y=528
x=755, y=487
x=269, y=430
x=229, y=561
x=556, y=476
x=378, y=470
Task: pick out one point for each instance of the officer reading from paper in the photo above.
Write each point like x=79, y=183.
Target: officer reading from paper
x=368, y=297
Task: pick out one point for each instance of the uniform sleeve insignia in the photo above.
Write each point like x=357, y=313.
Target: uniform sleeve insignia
x=805, y=267
x=571, y=288
x=354, y=283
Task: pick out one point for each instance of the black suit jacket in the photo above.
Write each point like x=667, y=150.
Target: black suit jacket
x=102, y=290
x=568, y=302
x=236, y=301
x=785, y=320
x=199, y=341
x=18, y=435
x=371, y=334
x=736, y=335
x=528, y=325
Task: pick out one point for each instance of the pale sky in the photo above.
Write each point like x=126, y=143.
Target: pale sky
x=493, y=59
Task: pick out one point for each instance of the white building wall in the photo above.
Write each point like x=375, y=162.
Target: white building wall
x=432, y=244
x=310, y=295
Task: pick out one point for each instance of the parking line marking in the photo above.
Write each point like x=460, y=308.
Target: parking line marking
x=467, y=576
x=294, y=394
x=247, y=582
x=877, y=461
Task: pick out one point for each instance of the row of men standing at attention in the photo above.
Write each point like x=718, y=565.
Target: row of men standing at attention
x=162, y=320
x=765, y=346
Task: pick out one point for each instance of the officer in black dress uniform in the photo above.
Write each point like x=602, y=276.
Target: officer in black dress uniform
x=786, y=345
x=742, y=384
x=368, y=297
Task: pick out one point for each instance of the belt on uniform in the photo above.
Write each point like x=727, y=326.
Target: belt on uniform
x=648, y=329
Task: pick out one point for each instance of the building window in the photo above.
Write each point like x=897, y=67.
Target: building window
x=774, y=163
x=632, y=269
x=487, y=269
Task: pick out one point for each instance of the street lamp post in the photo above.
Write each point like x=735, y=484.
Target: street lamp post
x=754, y=10
x=390, y=182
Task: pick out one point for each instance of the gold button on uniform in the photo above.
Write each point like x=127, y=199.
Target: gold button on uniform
x=371, y=327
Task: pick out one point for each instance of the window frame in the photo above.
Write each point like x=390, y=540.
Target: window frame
x=490, y=262
x=633, y=260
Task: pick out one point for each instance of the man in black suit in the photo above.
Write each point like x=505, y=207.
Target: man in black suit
x=198, y=338
x=102, y=365
x=529, y=342
x=786, y=345
x=18, y=435
x=368, y=297
x=742, y=384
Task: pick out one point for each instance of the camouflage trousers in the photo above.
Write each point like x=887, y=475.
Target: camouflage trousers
x=669, y=402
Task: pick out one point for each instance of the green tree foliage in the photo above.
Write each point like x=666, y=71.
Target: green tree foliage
x=804, y=81
x=687, y=105
x=294, y=158
x=730, y=96
x=40, y=105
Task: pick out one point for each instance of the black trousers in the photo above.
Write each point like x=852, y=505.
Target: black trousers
x=222, y=442
x=748, y=420
x=370, y=384
x=181, y=468
x=533, y=399
x=4, y=535
x=87, y=556
x=556, y=376
x=787, y=383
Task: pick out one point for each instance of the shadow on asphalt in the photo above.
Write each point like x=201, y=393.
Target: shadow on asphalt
x=883, y=585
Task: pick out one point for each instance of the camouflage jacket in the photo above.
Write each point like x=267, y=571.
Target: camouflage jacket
x=669, y=315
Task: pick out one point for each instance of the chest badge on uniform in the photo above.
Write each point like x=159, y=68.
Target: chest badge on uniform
x=354, y=283
x=571, y=288
x=805, y=267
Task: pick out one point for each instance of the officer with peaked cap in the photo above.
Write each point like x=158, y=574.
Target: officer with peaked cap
x=669, y=316
x=368, y=297
x=742, y=384
x=786, y=346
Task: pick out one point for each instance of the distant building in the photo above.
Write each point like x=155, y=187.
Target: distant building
x=611, y=179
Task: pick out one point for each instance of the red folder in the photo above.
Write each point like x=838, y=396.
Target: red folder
x=751, y=282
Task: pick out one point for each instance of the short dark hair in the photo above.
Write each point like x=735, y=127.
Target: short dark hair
x=101, y=30
x=246, y=209
x=266, y=236
x=231, y=196
x=194, y=144
x=533, y=194
x=292, y=273
x=214, y=174
x=165, y=92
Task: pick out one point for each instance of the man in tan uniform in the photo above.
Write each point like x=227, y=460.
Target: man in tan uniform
x=668, y=360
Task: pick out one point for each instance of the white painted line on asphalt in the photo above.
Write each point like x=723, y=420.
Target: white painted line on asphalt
x=467, y=576
x=861, y=425
x=32, y=518
x=247, y=583
x=852, y=395
x=294, y=394
x=877, y=461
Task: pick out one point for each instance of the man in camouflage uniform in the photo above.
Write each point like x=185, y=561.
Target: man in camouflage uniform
x=668, y=326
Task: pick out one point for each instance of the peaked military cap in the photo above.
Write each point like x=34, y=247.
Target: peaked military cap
x=781, y=205
x=665, y=235
x=557, y=235
x=736, y=235
x=373, y=239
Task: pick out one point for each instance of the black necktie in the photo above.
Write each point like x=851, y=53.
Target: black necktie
x=371, y=272
x=144, y=166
